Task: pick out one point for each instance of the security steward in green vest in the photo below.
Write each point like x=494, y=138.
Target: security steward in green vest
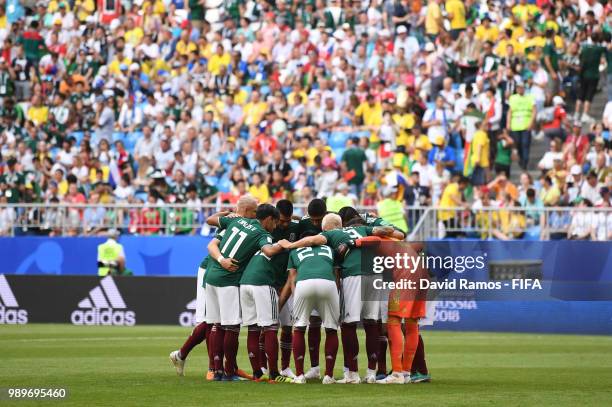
x=111, y=258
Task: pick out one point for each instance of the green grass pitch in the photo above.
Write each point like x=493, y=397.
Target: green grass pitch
x=112, y=366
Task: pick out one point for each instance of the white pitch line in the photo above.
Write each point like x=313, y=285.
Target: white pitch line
x=84, y=339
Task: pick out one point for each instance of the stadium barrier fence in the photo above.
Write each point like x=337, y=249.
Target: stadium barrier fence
x=549, y=223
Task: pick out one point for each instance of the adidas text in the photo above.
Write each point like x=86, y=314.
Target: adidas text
x=98, y=316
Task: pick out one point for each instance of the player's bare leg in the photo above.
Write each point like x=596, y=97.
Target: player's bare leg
x=372, y=334
x=331, y=351
x=285, y=348
x=350, y=347
x=314, y=344
x=179, y=357
x=419, y=372
x=299, y=352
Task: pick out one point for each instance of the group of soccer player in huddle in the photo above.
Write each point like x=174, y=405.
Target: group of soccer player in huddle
x=270, y=271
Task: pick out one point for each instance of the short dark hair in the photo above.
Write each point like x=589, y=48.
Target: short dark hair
x=359, y=221
x=71, y=179
x=266, y=210
x=317, y=207
x=285, y=207
x=531, y=193
x=463, y=180
x=348, y=213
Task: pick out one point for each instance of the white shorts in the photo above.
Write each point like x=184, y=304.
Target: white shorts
x=383, y=315
x=353, y=308
x=285, y=317
x=430, y=314
x=200, y=310
x=259, y=305
x=223, y=305
x=319, y=294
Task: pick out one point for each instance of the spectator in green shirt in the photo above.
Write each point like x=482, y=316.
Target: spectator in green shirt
x=590, y=58
x=354, y=159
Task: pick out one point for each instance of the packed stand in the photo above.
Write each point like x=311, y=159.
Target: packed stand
x=371, y=103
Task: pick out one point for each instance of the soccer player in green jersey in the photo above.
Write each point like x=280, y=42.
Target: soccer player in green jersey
x=228, y=259
x=259, y=298
x=313, y=283
x=202, y=330
x=350, y=217
x=354, y=309
x=287, y=228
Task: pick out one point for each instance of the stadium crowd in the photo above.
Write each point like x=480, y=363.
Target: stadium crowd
x=420, y=103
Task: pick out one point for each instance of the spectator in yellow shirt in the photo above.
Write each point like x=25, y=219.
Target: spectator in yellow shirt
x=254, y=111
x=259, y=190
x=38, y=113
x=452, y=199
x=479, y=155
x=84, y=9
x=433, y=19
x=220, y=58
x=487, y=31
x=456, y=14
x=370, y=112
x=185, y=46
x=114, y=68
x=134, y=34
x=525, y=11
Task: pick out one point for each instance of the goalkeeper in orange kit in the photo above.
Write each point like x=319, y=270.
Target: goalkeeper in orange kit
x=405, y=305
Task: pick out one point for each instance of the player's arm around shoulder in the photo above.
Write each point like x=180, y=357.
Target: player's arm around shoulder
x=268, y=248
x=215, y=219
x=388, y=231
x=308, y=241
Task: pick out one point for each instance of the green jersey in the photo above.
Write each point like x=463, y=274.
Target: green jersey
x=242, y=239
x=355, y=158
x=351, y=265
x=306, y=225
x=218, y=236
x=259, y=271
x=312, y=262
x=373, y=220
x=279, y=262
x=590, y=57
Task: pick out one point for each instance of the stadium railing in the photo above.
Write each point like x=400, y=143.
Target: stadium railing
x=424, y=223
x=548, y=223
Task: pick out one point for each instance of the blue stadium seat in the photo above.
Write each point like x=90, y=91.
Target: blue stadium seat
x=264, y=90
x=430, y=105
x=78, y=136
x=532, y=233
x=338, y=153
x=118, y=135
x=141, y=195
x=338, y=139
x=224, y=185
